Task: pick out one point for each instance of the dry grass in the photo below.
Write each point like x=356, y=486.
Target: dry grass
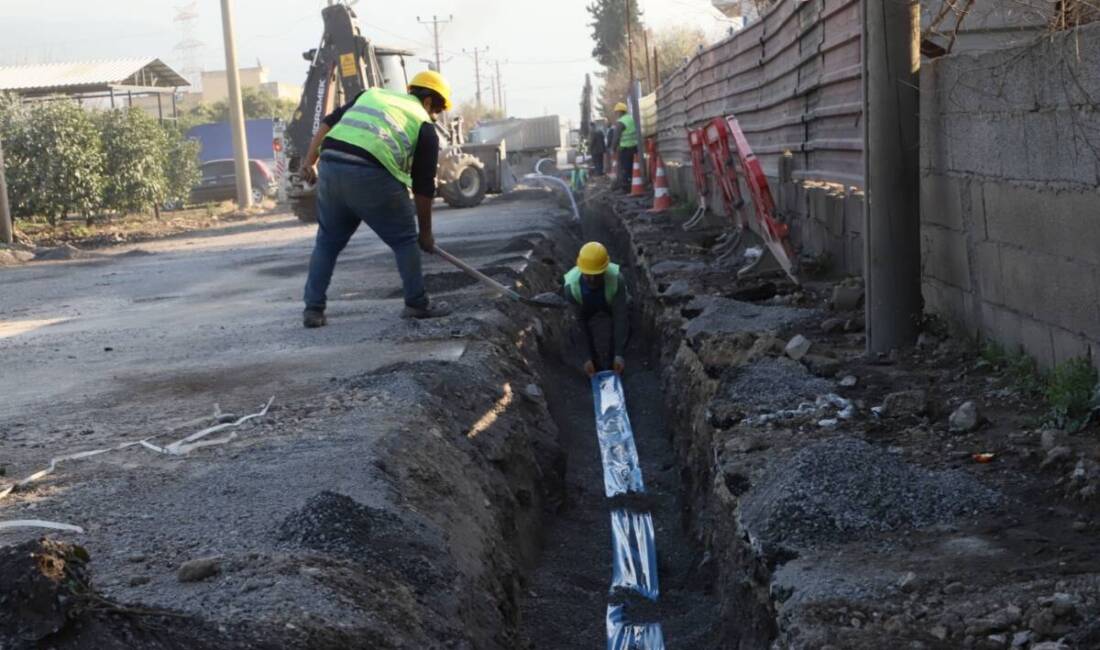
x=130, y=228
x=1068, y=14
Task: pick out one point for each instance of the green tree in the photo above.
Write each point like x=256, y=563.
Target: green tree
x=609, y=29
x=135, y=149
x=181, y=166
x=54, y=159
x=256, y=104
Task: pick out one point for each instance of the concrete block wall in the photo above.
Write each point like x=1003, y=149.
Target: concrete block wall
x=1010, y=194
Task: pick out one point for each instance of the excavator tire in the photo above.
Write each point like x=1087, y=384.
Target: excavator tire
x=305, y=207
x=464, y=183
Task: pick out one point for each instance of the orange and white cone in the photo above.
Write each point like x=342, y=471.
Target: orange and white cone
x=637, y=188
x=662, y=200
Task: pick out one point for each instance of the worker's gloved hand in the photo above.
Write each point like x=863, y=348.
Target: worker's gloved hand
x=309, y=173
x=590, y=368
x=427, y=242
x=619, y=365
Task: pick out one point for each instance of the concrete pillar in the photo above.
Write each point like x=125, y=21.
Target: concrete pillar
x=891, y=55
x=6, y=233
x=236, y=113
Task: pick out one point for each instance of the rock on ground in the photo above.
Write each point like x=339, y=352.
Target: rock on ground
x=965, y=418
x=905, y=403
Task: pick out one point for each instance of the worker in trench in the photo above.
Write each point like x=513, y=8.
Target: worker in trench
x=624, y=144
x=371, y=150
x=596, y=289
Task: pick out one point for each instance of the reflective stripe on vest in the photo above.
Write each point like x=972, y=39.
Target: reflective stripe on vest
x=610, y=284
x=629, y=136
x=387, y=125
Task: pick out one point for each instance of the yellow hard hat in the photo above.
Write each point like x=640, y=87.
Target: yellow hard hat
x=432, y=80
x=593, y=258
x=620, y=107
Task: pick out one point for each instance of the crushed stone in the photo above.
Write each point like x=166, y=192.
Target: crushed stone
x=833, y=490
x=771, y=384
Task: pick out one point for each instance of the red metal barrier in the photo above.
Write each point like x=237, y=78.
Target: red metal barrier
x=716, y=138
x=773, y=231
x=698, y=165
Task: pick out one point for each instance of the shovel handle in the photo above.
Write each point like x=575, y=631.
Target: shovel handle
x=477, y=275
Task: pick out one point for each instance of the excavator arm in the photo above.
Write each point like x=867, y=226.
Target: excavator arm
x=344, y=64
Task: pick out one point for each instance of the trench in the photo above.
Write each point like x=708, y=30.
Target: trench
x=566, y=593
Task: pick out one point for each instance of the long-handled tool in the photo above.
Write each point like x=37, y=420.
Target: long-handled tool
x=547, y=301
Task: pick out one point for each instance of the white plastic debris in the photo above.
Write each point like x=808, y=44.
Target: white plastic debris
x=39, y=523
x=178, y=448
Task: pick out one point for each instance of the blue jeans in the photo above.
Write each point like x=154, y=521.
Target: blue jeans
x=349, y=193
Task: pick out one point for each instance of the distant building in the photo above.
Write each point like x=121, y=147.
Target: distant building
x=146, y=83
x=738, y=11
x=215, y=88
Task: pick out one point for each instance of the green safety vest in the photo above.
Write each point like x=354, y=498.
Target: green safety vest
x=386, y=124
x=610, y=283
x=629, y=136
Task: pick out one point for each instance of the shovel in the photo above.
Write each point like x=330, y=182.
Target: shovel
x=544, y=300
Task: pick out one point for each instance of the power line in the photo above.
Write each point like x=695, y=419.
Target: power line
x=435, y=23
x=477, y=70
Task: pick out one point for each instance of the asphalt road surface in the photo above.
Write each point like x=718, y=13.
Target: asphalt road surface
x=140, y=336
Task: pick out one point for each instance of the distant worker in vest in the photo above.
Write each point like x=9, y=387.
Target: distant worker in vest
x=624, y=141
x=595, y=287
x=371, y=151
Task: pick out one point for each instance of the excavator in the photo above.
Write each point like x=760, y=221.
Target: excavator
x=345, y=63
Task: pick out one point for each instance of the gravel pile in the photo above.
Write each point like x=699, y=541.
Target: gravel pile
x=771, y=384
x=836, y=489
x=345, y=529
x=336, y=524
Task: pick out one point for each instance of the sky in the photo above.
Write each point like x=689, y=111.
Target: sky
x=544, y=46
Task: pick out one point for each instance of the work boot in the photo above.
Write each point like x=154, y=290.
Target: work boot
x=313, y=318
x=431, y=310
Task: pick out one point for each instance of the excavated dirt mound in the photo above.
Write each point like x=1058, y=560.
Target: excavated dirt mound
x=835, y=489
x=338, y=525
x=35, y=591
x=47, y=601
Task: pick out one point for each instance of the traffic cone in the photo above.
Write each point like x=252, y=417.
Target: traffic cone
x=637, y=188
x=662, y=200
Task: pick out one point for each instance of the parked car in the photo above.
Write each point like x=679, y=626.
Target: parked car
x=219, y=182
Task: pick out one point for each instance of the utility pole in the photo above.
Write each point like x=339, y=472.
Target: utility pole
x=500, y=91
x=6, y=234
x=635, y=95
x=236, y=113
x=477, y=71
x=891, y=230
x=435, y=23
x=629, y=47
x=648, y=71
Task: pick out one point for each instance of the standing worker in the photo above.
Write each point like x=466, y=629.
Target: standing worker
x=596, y=149
x=595, y=287
x=371, y=151
x=625, y=141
